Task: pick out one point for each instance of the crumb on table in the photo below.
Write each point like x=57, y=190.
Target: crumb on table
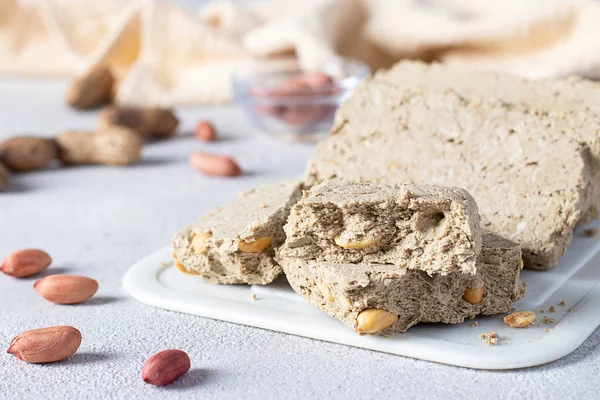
x=475, y=323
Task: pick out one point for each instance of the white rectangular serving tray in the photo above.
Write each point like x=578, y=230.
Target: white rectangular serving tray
x=575, y=281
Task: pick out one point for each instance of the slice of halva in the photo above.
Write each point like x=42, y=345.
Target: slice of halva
x=533, y=181
x=430, y=228
x=574, y=99
x=381, y=299
x=236, y=243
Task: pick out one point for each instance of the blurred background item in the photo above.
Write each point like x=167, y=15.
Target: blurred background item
x=174, y=53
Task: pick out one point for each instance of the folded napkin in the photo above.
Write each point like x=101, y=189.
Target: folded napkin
x=165, y=54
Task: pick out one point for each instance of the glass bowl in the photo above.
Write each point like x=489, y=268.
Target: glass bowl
x=283, y=101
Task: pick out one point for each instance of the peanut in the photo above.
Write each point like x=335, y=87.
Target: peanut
x=3, y=177
x=325, y=291
x=114, y=146
x=520, y=319
x=214, y=165
x=151, y=122
x=199, y=242
x=166, y=367
x=66, y=289
x=27, y=153
x=373, y=320
x=181, y=268
x=92, y=90
x=24, y=263
x=205, y=131
x=359, y=244
x=46, y=344
x=473, y=295
x=255, y=246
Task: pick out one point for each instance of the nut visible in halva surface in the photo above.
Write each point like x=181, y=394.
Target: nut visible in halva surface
x=199, y=242
x=255, y=246
x=473, y=295
x=181, y=268
x=357, y=245
x=373, y=320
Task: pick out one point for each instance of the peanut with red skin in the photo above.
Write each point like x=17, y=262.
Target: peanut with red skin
x=214, y=164
x=46, y=345
x=66, y=289
x=205, y=131
x=166, y=367
x=24, y=263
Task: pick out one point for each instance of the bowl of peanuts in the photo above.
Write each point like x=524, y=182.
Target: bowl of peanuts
x=290, y=103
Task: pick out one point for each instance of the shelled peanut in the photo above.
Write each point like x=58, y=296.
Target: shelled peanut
x=26, y=262
x=46, y=345
x=148, y=122
x=27, y=153
x=214, y=164
x=3, y=177
x=112, y=146
x=66, y=289
x=92, y=90
x=166, y=367
x=205, y=131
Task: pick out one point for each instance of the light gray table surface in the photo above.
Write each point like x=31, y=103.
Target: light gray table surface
x=98, y=221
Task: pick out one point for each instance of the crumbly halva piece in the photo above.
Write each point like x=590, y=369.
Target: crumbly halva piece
x=429, y=228
x=382, y=299
x=236, y=243
x=575, y=100
x=532, y=182
x=490, y=338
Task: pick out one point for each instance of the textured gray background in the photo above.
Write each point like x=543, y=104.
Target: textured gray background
x=97, y=221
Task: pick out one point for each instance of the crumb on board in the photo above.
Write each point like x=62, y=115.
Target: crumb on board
x=489, y=338
x=569, y=309
x=520, y=319
x=547, y=330
x=475, y=323
x=166, y=264
x=262, y=205
x=551, y=309
x=562, y=303
x=590, y=232
x=548, y=320
x=253, y=296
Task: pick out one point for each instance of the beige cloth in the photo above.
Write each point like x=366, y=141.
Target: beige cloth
x=165, y=54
